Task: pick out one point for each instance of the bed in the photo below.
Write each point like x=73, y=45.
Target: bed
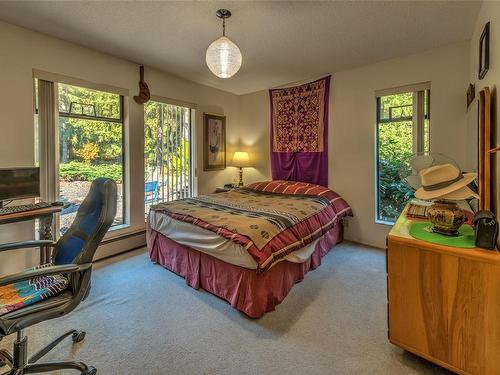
x=248, y=246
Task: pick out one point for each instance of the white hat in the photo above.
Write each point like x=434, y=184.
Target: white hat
x=447, y=182
x=460, y=194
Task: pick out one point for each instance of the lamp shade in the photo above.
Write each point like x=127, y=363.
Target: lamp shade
x=223, y=57
x=241, y=159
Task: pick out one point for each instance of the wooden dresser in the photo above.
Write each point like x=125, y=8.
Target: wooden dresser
x=444, y=302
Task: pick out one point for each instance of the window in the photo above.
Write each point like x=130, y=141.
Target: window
x=403, y=128
x=90, y=145
x=168, y=154
x=90, y=132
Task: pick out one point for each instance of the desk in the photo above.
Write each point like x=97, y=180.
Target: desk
x=444, y=302
x=45, y=217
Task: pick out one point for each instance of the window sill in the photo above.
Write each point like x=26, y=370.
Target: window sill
x=383, y=222
x=117, y=231
x=118, y=227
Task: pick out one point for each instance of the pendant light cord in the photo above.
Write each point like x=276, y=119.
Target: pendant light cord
x=223, y=27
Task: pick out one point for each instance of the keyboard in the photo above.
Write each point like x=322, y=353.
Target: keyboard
x=23, y=208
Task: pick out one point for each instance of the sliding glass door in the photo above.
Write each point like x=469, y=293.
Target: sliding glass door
x=168, y=155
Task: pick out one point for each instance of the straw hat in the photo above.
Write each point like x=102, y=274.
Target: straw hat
x=446, y=182
x=418, y=162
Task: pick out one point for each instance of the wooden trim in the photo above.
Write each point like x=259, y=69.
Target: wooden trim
x=123, y=237
x=25, y=215
x=480, y=178
x=400, y=89
x=484, y=178
x=180, y=103
x=121, y=244
x=105, y=257
x=60, y=78
x=365, y=244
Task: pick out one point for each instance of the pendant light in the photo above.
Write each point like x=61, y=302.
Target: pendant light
x=223, y=57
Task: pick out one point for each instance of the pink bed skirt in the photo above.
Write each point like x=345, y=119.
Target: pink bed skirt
x=251, y=293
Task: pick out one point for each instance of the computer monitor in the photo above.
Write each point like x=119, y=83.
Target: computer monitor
x=18, y=183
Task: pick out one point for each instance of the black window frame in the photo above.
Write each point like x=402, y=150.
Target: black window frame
x=380, y=120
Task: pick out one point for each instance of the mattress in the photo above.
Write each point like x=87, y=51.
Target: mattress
x=208, y=242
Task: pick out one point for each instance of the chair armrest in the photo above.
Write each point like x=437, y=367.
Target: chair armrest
x=47, y=271
x=26, y=244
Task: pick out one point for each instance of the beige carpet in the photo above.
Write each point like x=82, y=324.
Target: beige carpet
x=142, y=319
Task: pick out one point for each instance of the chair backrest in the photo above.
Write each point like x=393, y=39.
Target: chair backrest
x=93, y=219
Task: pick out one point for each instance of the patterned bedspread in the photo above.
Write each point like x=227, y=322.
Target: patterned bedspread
x=269, y=219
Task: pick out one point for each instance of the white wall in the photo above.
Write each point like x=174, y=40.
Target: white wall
x=352, y=118
x=255, y=134
x=23, y=50
x=352, y=124
x=490, y=12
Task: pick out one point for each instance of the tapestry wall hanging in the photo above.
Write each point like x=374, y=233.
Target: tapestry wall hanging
x=299, y=132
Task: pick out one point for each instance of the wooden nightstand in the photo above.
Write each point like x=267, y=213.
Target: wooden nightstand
x=222, y=189
x=444, y=302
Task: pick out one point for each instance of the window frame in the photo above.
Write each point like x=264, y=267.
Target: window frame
x=56, y=80
x=121, y=120
x=421, y=112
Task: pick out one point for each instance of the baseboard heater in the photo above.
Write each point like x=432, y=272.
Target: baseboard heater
x=121, y=244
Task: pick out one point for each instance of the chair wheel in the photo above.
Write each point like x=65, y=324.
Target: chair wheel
x=78, y=336
x=91, y=371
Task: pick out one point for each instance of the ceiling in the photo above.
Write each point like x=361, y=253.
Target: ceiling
x=281, y=42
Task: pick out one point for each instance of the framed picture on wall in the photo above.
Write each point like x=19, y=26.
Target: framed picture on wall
x=484, y=51
x=214, y=142
x=471, y=94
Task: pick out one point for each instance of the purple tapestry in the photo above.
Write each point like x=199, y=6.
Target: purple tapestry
x=299, y=132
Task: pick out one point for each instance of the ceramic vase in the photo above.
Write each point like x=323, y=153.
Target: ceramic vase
x=446, y=217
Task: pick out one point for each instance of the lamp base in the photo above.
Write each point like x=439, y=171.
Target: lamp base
x=240, y=183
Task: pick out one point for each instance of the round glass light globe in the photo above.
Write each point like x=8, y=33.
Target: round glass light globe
x=223, y=57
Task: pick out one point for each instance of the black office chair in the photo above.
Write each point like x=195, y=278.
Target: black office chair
x=71, y=267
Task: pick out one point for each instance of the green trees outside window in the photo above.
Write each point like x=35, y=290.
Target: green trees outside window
x=167, y=152
x=90, y=145
x=397, y=140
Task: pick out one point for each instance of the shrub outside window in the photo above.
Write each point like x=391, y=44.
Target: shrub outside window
x=403, y=129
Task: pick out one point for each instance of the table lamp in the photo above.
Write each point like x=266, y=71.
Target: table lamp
x=241, y=160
